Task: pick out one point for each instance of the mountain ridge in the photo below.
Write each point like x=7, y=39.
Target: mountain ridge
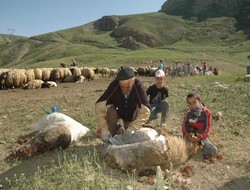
x=203, y=9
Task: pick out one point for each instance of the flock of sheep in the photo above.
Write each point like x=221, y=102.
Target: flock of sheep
x=43, y=77
x=47, y=77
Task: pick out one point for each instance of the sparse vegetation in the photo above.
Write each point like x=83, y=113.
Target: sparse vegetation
x=216, y=41
x=80, y=166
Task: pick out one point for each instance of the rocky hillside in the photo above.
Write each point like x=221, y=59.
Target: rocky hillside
x=240, y=9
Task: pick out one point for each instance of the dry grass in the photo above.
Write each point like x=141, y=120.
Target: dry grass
x=79, y=166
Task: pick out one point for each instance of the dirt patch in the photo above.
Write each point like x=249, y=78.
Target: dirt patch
x=20, y=108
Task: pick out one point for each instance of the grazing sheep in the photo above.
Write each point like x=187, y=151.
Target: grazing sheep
x=88, y=73
x=113, y=72
x=105, y=71
x=30, y=75
x=56, y=74
x=33, y=84
x=75, y=71
x=38, y=73
x=152, y=71
x=142, y=71
x=46, y=74
x=66, y=72
x=157, y=150
x=15, y=78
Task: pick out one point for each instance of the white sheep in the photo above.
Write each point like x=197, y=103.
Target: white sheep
x=80, y=79
x=52, y=83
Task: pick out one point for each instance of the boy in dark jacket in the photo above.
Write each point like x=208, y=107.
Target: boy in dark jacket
x=158, y=95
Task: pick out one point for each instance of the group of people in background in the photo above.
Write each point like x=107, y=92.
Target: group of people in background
x=127, y=100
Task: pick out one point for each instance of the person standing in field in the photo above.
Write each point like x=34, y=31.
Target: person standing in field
x=204, y=68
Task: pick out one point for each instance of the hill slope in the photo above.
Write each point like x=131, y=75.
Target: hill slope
x=110, y=40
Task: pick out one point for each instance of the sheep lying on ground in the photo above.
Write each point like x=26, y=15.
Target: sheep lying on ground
x=149, y=151
x=52, y=83
x=53, y=137
x=34, y=84
x=54, y=130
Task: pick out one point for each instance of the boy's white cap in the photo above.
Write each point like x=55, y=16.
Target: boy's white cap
x=159, y=73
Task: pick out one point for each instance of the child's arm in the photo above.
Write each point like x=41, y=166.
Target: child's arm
x=207, y=124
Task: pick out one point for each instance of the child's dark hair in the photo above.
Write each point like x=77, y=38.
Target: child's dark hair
x=196, y=96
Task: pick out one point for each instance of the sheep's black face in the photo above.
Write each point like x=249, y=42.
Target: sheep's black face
x=45, y=85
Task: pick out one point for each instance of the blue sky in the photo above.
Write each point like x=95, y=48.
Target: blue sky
x=34, y=17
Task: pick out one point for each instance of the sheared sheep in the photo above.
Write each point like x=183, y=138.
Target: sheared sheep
x=54, y=136
x=147, y=154
x=53, y=131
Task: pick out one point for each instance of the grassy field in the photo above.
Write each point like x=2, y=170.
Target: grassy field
x=215, y=41
x=80, y=167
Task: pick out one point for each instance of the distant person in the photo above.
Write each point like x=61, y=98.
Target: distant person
x=126, y=99
x=73, y=63
x=216, y=72
x=161, y=65
x=248, y=65
x=204, y=68
x=210, y=69
x=198, y=121
x=158, y=94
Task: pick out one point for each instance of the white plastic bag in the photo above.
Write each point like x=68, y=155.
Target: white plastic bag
x=77, y=129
